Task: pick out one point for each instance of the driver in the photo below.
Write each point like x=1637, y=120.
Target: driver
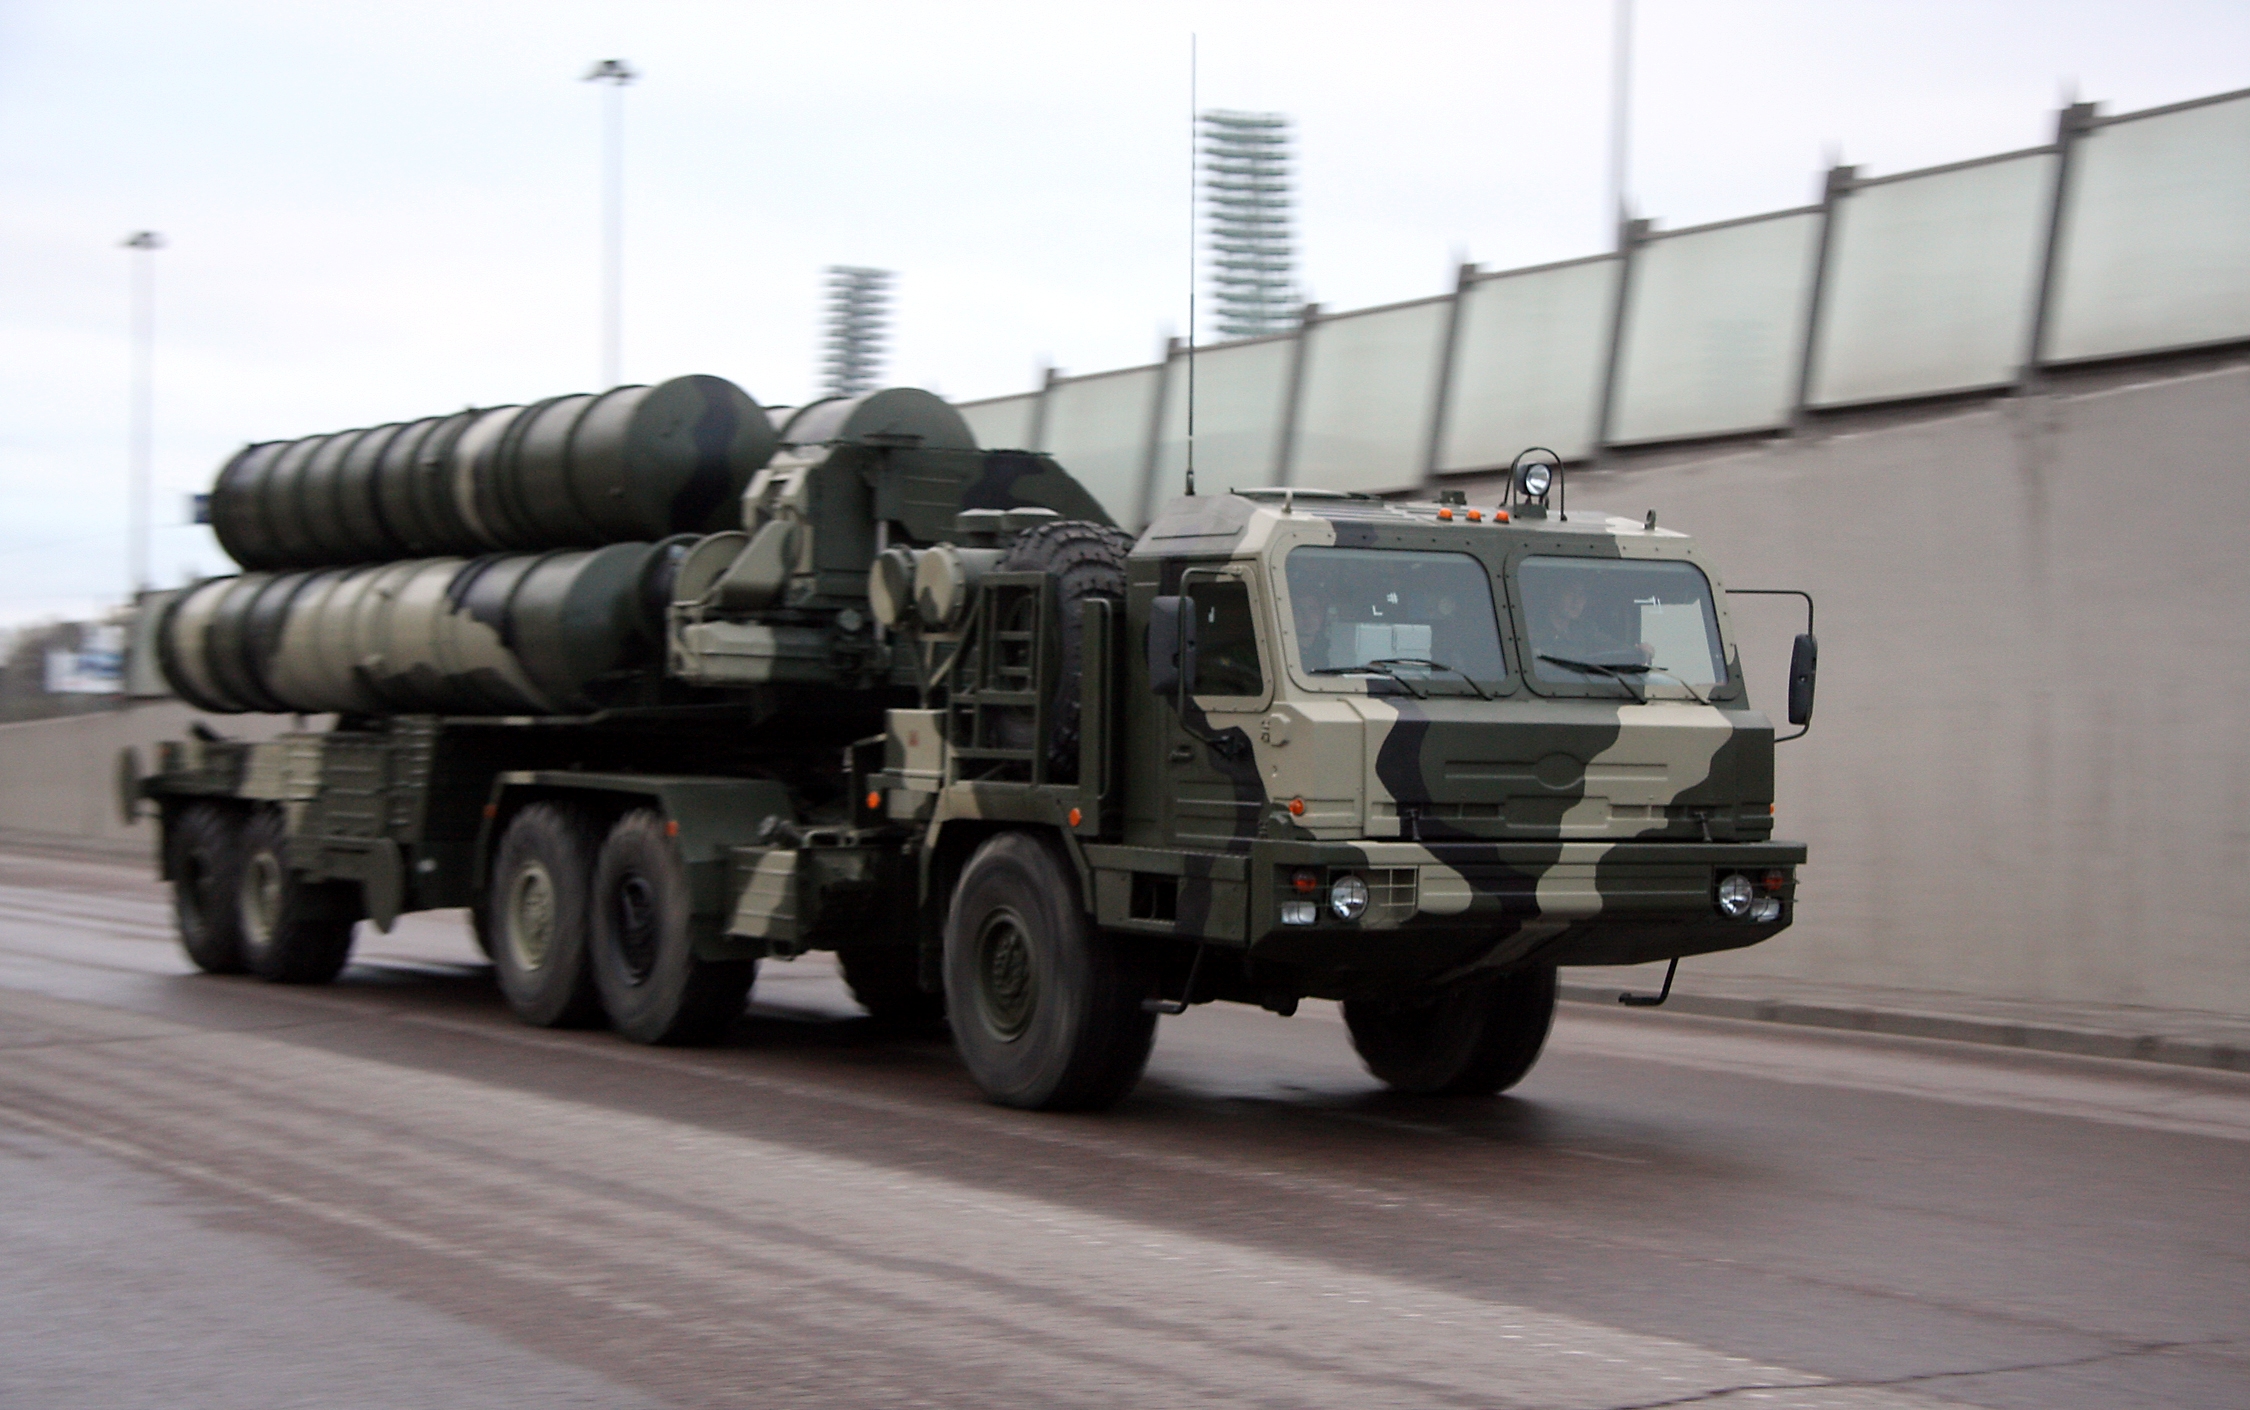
x=1570, y=629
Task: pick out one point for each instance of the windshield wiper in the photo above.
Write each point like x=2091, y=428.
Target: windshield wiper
x=1466, y=678
x=1616, y=673
x=1682, y=680
x=1380, y=668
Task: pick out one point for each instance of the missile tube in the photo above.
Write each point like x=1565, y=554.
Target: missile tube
x=502, y=634
x=630, y=464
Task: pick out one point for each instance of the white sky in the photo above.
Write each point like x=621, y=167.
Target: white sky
x=378, y=211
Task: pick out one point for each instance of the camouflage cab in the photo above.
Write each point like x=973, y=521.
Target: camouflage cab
x=1526, y=739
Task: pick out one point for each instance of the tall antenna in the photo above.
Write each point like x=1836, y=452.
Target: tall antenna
x=1193, y=117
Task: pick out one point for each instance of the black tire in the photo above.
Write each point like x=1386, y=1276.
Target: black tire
x=652, y=983
x=1045, y=1009
x=1472, y=1039
x=1086, y=560
x=294, y=931
x=537, y=917
x=886, y=979
x=203, y=847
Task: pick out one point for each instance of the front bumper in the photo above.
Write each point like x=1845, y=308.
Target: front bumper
x=1559, y=902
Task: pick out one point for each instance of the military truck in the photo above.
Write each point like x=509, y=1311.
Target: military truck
x=661, y=686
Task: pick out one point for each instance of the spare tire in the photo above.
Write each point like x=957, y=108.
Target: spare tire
x=1086, y=560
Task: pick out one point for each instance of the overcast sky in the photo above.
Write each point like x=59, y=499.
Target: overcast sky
x=386, y=210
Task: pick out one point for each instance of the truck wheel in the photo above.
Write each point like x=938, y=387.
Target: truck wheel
x=1475, y=1038
x=884, y=978
x=1086, y=560
x=1045, y=1009
x=294, y=931
x=645, y=966
x=204, y=854
x=538, y=915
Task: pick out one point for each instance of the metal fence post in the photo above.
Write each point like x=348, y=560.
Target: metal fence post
x=1038, y=436
x=2071, y=124
x=1833, y=190
x=1442, y=401
x=1285, y=453
x=1630, y=236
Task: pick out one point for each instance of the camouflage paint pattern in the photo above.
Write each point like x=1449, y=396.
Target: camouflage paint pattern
x=1551, y=823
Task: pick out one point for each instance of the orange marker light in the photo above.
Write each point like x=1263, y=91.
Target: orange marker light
x=1306, y=881
x=874, y=801
x=492, y=810
x=1075, y=817
x=1296, y=807
x=1476, y=515
x=1499, y=516
x=1445, y=514
x=671, y=827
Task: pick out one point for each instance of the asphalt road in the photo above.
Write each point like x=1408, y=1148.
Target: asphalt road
x=388, y=1193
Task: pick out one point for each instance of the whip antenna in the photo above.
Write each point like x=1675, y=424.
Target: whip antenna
x=1193, y=118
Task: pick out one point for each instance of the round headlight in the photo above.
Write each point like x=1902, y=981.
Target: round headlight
x=1536, y=478
x=1736, y=895
x=1347, y=897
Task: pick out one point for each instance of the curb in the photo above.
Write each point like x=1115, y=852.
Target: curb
x=1948, y=1027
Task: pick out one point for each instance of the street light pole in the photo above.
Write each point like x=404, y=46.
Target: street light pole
x=616, y=73
x=144, y=244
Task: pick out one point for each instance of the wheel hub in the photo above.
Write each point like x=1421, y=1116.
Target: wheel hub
x=531, y=917
x=261, y=897
x=636, y=927
x=1007, y=986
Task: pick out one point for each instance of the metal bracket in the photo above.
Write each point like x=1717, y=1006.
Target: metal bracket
x=1187, y=991
x=1645, y=1001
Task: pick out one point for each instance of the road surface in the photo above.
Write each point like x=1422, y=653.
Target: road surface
x=386, y=1192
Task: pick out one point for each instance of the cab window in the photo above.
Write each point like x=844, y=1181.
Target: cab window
x=1632, y=622
x=1370, y=612
x=1226, y=639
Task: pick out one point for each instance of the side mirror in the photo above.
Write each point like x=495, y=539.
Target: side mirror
x=1804, y=665
x=1171, y=644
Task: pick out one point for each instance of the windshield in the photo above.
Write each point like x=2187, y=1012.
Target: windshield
x=1620, y=620
x=1419, y=616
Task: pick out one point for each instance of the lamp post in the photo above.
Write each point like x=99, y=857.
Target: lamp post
x=144, y=244
x=616, y=73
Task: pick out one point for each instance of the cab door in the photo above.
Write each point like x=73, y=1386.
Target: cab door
x=1214, y=796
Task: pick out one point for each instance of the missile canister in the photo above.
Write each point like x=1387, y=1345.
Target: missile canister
x=539, y=633
x=632, y=464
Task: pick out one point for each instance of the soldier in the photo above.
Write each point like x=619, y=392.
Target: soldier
x=1566, y=627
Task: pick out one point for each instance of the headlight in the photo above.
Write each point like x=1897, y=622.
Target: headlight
x=1299, y=913
x=1536, y=478
x=1347, y=897
x=1766, y=911
x=1736, y=896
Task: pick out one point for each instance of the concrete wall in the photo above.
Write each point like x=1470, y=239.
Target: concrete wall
x=2029, y=772
x=56, y=775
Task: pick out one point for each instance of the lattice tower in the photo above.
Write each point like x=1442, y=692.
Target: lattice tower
x=1247, y=218
x=859, y=307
